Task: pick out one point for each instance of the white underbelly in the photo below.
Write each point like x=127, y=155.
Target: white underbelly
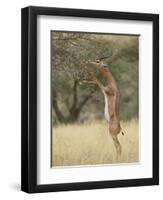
x=106, y=109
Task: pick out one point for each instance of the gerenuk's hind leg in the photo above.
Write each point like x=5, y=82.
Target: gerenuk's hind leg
x=117, y=146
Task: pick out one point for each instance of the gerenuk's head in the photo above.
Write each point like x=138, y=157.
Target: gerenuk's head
x=100, y=65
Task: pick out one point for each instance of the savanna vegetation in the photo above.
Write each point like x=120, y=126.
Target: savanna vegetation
x=90, y=143
x=78, y=104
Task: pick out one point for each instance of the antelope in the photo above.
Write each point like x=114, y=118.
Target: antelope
x=111, y=94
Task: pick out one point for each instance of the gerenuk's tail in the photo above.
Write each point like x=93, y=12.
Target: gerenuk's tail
x=122, y=133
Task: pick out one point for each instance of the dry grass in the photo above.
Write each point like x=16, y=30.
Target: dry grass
x=90, y=143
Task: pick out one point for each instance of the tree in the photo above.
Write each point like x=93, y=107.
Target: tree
x=71, y=68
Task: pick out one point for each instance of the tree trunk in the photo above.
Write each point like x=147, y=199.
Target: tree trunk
x=59, y=115
x=76, y=107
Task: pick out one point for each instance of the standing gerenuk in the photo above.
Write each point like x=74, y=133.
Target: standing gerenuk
x=112, y=103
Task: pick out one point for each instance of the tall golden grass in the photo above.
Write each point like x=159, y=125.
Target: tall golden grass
x=90, y=144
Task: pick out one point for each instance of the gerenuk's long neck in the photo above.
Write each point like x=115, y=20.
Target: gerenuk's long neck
x=106, y=72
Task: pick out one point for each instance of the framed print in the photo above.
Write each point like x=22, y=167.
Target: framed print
x=90, y=99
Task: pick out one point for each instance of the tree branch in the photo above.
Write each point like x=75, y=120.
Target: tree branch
x=75, y=95
x=66, y=38
x=84, y=101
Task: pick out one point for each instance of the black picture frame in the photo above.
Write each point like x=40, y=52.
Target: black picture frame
x=29, y=99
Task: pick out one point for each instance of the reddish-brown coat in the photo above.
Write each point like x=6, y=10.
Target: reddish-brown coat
x=113, y=97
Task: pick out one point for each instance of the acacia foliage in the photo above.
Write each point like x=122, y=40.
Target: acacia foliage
x=71, y=53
